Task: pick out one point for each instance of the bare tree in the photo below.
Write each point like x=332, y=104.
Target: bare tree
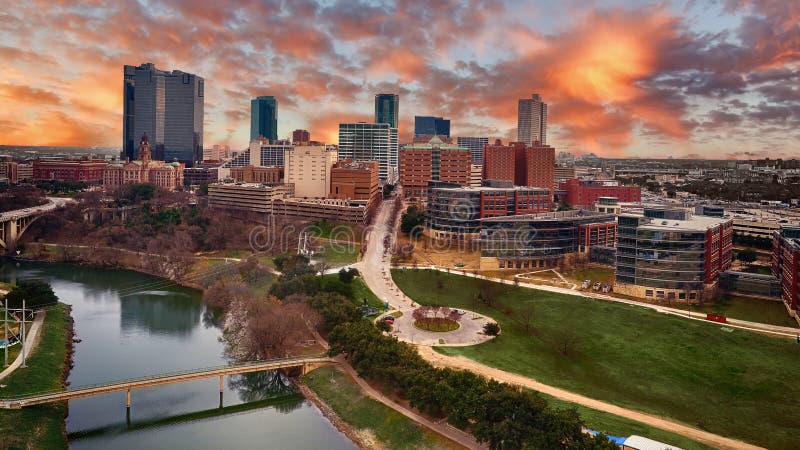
x=566, y=340
x=526, y=315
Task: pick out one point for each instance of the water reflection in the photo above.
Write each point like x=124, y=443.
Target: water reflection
x=159, y=312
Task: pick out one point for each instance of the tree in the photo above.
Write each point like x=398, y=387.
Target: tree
x=491, y=329
x=526, y=315
x=412, y=221
x=36, y=293
x=383, y=326
x=487, y=291
x=566, y=340
x=747, y=256
x=347, y=275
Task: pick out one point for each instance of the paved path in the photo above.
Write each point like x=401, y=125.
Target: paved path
x=460, y=362
x=772, y=330
x=442, y=428
x=32, y=338
x=375, y=270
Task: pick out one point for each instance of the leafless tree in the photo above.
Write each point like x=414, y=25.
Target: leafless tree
x=526, y=315
x=566, y=340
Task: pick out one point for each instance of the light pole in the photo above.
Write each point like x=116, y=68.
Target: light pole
x=5, y=331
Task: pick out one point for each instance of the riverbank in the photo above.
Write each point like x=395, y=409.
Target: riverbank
x=40, y=426
x=369, y=423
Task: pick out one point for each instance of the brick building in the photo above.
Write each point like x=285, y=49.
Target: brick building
x=356, y=181
x=87, y=170
x=164, y=175
x=786, y=266
x=584, y=193
x=434, y=160
x=521, y=164
x=256, y=174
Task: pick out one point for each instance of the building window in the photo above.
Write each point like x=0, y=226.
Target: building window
x=648, y=293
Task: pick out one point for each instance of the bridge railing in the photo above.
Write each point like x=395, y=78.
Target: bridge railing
x=250, y=364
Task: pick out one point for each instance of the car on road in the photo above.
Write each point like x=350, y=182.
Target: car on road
x=460, y=312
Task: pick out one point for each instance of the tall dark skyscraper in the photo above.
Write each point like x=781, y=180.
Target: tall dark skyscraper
x=386, y=109
x=429, y=125
x=264, y=118
x=168, y=106
x=532, y=120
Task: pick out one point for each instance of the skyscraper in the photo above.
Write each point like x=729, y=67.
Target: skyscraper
x=520, y=164
x=386, y=109
x=475, y=146
x=370, y=142
x=431, y=126
x=264, y=118
x=168, y=107
x=532, y=120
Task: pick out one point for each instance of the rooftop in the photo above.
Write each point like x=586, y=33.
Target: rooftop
x=694, y=223
x=579, y=214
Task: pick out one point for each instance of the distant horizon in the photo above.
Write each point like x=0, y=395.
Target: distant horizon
x=621, y=79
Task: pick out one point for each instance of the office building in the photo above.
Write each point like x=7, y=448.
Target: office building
x=301, y=137
x=371, y=142
x=475, y=175
x=431, y=126
x=387, y=108
x=201, y=174
x=86, y=170
x=670, y=254
x=257, y=174
x=475, y=146
x=435, y=160
x=532, y=120
x=264, y=118
x=786, y=266
x=355, y=181
x=543, y=240
x=168, y=107
x=454, y=212
x=563, y=173
x=316, y=209
x=520, y=164
x=10, y=171
x=584, y=193
x=308, y=168
x=217, y=153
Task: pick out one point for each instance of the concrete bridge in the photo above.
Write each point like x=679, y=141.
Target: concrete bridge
x=14, y=223
x=305, y=364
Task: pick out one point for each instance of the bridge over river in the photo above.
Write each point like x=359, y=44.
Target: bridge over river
x=14, y=223
x=305, y=364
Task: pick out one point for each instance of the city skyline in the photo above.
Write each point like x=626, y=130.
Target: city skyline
x=621, y=79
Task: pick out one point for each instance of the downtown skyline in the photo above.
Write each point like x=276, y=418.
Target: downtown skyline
x=621, y=79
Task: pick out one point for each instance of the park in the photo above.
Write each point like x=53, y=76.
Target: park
x=729, y=382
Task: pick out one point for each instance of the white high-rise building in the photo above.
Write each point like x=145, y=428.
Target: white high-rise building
x=308, y=168
x=532, y=120
x=371, y=142
x=475, y=146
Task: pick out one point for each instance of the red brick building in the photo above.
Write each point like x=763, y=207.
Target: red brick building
x=435, y=160
x=87, y=170
x=584, y=193
x=355, y=181
x=301, y=137
x=521, y=164
x=786, y=266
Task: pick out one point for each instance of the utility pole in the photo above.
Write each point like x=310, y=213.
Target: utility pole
x=23, y=335
x=5, y=331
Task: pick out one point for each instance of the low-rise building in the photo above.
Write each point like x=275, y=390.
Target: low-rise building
x=670, y=254
x=333, y=210
x=543, y=240
x=251, y=197
x=608, y=205
x=86, y=170
x=455, y=212
x=200, y=174
x=164, y=175
x=584, y=193
x=786, y=266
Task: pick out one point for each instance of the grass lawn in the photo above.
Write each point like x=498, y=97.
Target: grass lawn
x=391, y=428
x=437, y=325
x=339, y=254
x=762, y=270
x=593, y=273
x=38, y=426
x=619, y=426
x=733, y=384
x=746, y=308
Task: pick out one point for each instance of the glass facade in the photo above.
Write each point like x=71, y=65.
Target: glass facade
x=429, y=125
x=387, y=109
x=370, y=142
x=264, y=118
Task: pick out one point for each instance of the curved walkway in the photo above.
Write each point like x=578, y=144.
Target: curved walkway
x=460, y=362
x=31, y=340
x=375, y=270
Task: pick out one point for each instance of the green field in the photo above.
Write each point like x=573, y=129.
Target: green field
x=38, y=426
x=619, y=426
x=746, y=308
x=391, y=428
x=361, y=291
x=733, y=384
x=339, y=254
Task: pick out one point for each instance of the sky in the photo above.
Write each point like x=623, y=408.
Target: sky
x=625, y=78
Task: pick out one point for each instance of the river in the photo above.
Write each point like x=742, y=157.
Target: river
x=132, y=325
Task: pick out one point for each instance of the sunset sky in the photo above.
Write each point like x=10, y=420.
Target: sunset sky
x=718, y=79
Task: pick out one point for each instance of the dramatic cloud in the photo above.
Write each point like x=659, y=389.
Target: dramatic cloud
x=634, y=79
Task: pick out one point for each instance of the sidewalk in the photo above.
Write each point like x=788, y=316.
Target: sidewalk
x=31, y=340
